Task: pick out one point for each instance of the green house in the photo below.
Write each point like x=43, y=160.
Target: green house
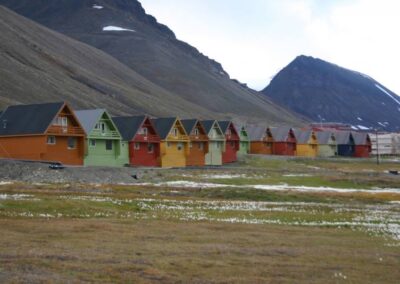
x=104, y=145
x=216, y=142
x=327, y=144
x=244, y=147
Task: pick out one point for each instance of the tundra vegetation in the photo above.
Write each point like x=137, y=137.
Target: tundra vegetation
x=259, y=220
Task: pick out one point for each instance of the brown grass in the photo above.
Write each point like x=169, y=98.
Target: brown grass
x=161, y=251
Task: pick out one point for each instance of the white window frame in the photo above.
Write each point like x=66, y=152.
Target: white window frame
x=137, y=146
x=112, y=146
x=175, y=132
x=75, y=143
x=196, y=131
x=150, y=148
x=91, y=144
x=51, y=140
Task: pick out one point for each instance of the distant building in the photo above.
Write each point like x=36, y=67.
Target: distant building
x=388, y=143
x=326, y=126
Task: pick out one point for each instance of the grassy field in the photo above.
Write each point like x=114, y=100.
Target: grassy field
x=329, y=222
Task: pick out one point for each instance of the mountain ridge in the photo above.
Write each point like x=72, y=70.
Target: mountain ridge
x=323, y=91
x=153, y=51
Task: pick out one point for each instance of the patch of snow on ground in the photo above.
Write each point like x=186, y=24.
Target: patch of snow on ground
x=95, y=6
x=16, y=197
x=223, y=176
x=5, y=182
x=387, y=93
x=117, y=29
x=277, y=187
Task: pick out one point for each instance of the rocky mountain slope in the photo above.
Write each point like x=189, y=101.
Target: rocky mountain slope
x=325, y=92
x=122, y=29
x=39, y=65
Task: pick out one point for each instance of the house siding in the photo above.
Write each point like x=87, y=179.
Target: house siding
x=326, y=150
x=98, y=155
x=140, y=156
x=261, y=147
x=214, y=155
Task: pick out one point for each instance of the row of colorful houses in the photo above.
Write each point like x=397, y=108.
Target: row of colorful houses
x=54, y=132
x=307, y=142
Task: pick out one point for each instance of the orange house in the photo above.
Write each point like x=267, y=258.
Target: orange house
x=261, y=140
x=198, y=142
x=42, y=132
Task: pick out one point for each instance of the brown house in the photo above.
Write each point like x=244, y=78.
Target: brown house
x=42, y=132
x=261, y=139
x=198, y=142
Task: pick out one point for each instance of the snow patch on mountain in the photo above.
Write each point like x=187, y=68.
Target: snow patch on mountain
x=117, y=29
x=387, y=93
x=95, y=6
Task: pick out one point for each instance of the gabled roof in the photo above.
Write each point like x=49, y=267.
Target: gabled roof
x=164, y=125
x=128, y=126
x=324, y=137
x=280, y=134
x=360, y=138
x=29, y=119
x=256, y=132
x=302, y=136
x=189, y=124
x=343, y=137
x=1, y=113
x=224, y=124
x=208, y=125
x=89, y=118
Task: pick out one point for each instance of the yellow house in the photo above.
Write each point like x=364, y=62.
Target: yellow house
x=307, y=143
x=174, y=145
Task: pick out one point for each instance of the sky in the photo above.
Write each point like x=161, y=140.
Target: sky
x=254, y=39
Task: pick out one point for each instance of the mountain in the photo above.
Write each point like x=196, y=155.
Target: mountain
x=322, y=91
x=122, y=29
x=39, y=65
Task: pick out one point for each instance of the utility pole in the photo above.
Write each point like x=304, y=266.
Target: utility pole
x=377, y=147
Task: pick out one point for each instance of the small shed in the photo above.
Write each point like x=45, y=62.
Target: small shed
x=232, y=141
x=345, y=143
x=362, y=145
x=261, y=140
x=327, y=146
x=307, y=143
x=244, y=147
x=144, y=142
x=284, y=141
x=216, y=142
x=198, y=144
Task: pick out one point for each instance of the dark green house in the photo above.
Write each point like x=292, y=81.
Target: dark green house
x=104, y=145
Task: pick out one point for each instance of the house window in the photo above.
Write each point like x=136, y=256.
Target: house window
x=201, y=145
x=196, y=132
x=71, y=143
x=51, y=140
x=109, y=145
x=143, y=131
x=103, y=127
x=61, y=121
x=92, y=143
x=137, y=146
x=175, y=131
x=97, y=126
x=179, y=146
x=150, y=148
x=168, y=144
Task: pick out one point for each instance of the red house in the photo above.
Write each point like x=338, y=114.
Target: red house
x=144, y=142
x=362, y=145
x=284, y=141
x=232, y=141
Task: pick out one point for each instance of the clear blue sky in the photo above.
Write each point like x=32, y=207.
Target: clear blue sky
x=254, y=39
